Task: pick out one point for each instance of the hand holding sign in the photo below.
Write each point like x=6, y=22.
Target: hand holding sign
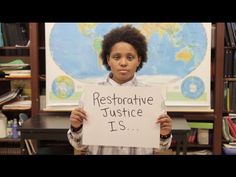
x=165, y=123
x=77, y=116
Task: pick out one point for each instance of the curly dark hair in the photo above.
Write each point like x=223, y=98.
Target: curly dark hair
x=127, y=34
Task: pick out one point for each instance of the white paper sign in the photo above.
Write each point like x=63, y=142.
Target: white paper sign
x=122, y=116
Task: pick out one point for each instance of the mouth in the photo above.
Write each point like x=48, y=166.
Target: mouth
x=123, y=71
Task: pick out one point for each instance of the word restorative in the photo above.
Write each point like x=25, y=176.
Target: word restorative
x=116, y=100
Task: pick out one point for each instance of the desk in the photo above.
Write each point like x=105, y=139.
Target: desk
x=55, y=127
x=180, y=129
x=44, y=127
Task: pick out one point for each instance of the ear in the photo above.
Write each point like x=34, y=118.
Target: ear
x=108, y=60
x=139, y=61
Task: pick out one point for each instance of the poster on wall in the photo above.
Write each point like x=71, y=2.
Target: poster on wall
x=178, y=58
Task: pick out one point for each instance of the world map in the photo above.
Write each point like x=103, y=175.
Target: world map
x=174, y=51
x=171, y=48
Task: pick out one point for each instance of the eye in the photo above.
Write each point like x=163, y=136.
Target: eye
x=130, y=57
x=116, y=57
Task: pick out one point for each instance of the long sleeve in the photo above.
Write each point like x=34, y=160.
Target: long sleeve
x=75, y=139
x=165, y=144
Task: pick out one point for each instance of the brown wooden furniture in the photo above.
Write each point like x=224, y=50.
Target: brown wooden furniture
x=27, y=55
x=47, y=127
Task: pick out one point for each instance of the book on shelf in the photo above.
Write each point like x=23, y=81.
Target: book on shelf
x=233, y=30
x=226, y=36
x=15, y=34
x=1, y=36
x=18, y=105
x=15, y=69
x=10, y=96
x=225, y=130
x=202, y=134
x=201, y=125
x=18, y=73
x=232, y=126
x=234, y=65
x=230, y=33
x=191, y=138
x=229, y=96
x=17, y=63
x=225, y=109
x=3, y=68
x=4, y=35
x=228, y=63
x=230, y=145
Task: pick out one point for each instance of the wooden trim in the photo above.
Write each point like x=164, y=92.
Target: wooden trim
x=34, y=55
x=217, y=138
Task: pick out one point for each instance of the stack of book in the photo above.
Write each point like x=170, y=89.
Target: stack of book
x=18, y=74
x=229, y=128
x=18, y=105
x=230, y=34
x=10, y=96
x=200, y=132
x=15, y=69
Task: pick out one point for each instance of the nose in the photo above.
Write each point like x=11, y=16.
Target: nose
x=123, y=62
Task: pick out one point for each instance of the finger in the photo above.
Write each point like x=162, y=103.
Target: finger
x=163, y=119
x=82, y=115
x=79, y=113
x=76, y=123
x=79, y=110
x=165, y=126
x=77, y=118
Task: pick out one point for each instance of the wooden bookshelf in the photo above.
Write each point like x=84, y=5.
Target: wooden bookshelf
x=10, y=54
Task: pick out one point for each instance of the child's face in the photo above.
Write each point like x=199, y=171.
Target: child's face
x=123, y=61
